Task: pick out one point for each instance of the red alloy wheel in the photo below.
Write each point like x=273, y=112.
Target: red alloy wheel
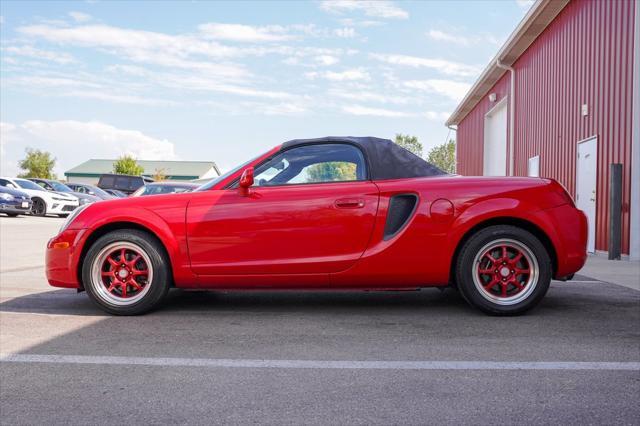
x=506, y=271
x=123, y=273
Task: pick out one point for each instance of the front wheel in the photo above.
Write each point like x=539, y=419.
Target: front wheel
x=125, y=272
x=39, y=207
x=503, y=270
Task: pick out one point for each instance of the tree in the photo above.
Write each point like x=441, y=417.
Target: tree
x=331, y=171
x=37, y=164
x=127, y=165
x=444, y=156
x=159, y=175
x=410, y=143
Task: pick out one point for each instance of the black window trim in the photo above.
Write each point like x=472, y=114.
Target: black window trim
x=367, y=176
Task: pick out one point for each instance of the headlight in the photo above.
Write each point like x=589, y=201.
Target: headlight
x=7, y=197
x=71, y=217
x=59, y=199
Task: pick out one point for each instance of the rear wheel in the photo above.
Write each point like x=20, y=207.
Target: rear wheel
x=125, y=272
x=503, y=270
x=39, y=207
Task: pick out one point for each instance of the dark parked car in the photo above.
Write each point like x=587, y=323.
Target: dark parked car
x=85, y=188
x=61, y=188
x=14, y=202
x=158, y=188
x=116, y=193
x=125, y=183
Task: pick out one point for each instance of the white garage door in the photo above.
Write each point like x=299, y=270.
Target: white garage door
x=495, y=141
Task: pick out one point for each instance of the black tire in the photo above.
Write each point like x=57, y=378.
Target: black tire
x=63, y=215
x=161, y=276
x=469, y=279
x=39, y=207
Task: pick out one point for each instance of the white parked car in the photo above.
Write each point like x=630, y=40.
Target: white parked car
x=44, y=202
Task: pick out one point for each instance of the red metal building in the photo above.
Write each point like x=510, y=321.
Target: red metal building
x=560, y=100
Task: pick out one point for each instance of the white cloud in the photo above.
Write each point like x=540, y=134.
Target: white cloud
x=82, y=88
x=347, y=75
x=345, y=32
x=448, y=37
x=80, y=17
x=441, y=65
x=453, y=90
x=349, y=22
x=245, y=33
x=32, y=52
x=525, y=4
x=148, y=47
x=73, y=142
x=460, y=39
x=7, y=136
x=368, y=96
x=373, y=8
x=327, y=60
x=437, y=115
x=373, y=112
x=118, y=98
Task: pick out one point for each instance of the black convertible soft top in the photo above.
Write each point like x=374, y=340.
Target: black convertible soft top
x=386, y=159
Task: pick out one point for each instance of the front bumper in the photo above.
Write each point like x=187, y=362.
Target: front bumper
x=19, y=207
x=62, y=207
x=62, y=258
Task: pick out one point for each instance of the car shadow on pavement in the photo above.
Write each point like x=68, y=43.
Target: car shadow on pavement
x=69, y=302
x=561, y=299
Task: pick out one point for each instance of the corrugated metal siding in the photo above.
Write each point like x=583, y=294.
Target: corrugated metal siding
x=583, y=57
x=470, y=134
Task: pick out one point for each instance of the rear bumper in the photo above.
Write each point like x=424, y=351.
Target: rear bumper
x=568, y=233
x=62, y=258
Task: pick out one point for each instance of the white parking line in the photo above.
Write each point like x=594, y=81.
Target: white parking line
x=319, y=364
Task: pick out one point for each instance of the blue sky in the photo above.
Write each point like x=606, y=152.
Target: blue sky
x=223, y=81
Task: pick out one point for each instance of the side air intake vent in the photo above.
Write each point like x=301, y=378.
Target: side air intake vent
x=401, y=208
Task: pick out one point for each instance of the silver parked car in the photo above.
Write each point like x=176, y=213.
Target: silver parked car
x=61, y=188
x=85, y=188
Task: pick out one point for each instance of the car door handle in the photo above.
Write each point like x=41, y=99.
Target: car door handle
x=350, y=203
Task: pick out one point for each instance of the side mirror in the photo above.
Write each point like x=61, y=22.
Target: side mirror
x=246, y=180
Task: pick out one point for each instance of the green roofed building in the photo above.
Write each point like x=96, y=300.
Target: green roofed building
x=90, y=171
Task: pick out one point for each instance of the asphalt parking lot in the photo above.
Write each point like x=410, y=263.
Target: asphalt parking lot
x=310, y=358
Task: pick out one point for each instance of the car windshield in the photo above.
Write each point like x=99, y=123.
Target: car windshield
x=214, y=181
x=27, y=184
x=98, y=191
x=151, y=189
x=60, y=187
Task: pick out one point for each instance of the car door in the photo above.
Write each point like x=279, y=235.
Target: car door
x=311, y=210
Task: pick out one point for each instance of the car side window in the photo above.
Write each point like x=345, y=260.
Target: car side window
x=319, y=163
x=6, y=183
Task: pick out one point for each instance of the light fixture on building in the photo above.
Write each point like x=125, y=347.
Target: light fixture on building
x=585, y=110
x=492, y=97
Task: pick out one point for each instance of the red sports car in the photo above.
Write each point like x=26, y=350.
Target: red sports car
x=333, y=213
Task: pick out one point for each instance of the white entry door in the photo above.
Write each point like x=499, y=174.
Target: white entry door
x=586, y=180
x=533, y=168
x=495, y=141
